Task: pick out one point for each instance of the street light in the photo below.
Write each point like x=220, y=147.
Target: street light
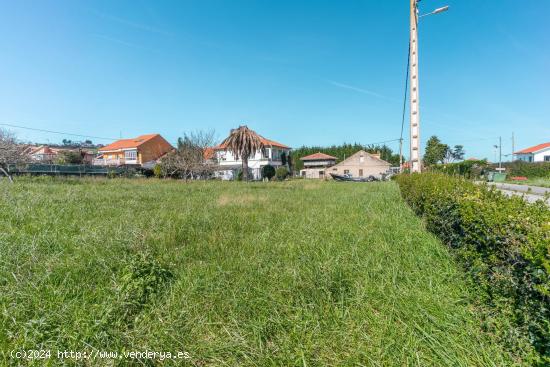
x=415, y=165
x=436, y=11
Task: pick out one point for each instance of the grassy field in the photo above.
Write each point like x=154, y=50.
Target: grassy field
x=263, y=274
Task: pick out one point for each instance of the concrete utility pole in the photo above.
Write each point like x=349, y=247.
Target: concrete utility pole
x=513, y=145
x=415, y=165
x=500, y=152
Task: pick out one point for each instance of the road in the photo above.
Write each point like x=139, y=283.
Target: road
x=529, y=193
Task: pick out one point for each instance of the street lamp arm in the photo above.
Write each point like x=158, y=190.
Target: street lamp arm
x=436, y=11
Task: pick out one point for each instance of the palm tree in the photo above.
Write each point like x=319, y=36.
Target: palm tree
x=243, y=142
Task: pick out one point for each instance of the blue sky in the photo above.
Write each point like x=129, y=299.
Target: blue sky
x=312, y=72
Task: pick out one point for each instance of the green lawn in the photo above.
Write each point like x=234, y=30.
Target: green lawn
x=264, y=274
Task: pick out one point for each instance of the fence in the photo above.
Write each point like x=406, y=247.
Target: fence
x=66, y=170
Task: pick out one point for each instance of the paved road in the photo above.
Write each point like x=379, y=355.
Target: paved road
x=530, y=193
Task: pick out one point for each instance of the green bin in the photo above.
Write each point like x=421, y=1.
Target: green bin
x=499, y=177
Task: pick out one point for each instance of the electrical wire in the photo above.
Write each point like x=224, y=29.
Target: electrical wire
x=382, y=142
x=56, y=132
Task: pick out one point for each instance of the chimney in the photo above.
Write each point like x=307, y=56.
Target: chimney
x=376, y=155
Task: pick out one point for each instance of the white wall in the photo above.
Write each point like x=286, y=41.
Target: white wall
x=542, y=156
x=255, y=163
x=272, y=157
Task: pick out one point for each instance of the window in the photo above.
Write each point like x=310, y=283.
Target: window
x=360, y=173
x=321, y=174
x=547, y=158
x=530, y=158
x=130, y=155
x=346, y=172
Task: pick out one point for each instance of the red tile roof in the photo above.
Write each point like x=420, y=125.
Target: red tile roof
x=266, y=142
x=317, y=157
x=43, y=150
x=534, y=149
x=127, y=143
x=208, y=153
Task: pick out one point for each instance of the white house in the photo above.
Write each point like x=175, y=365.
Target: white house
x=42, y=153
x=538, y=153
x=273, y=153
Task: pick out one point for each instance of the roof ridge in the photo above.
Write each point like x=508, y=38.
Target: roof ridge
x=128, y=143
x=533, y=149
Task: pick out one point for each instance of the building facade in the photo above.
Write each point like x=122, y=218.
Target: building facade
x=273, y=153
x=53, y=154
x=361, y=164
x=138, y=151
x=42, y=153
x=537, y=153
x=315, y=165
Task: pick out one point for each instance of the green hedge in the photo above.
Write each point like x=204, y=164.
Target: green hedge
x=503, y=242
x=467, y=169
x=530, y=170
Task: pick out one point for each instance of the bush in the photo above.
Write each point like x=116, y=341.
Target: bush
x=467, y=169
x=282, y=172
x=70, y=157
x=503, y=242
x=157, y=171
x=268, y=172
x=530, y=170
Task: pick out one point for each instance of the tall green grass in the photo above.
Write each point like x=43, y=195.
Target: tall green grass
x=262, y=274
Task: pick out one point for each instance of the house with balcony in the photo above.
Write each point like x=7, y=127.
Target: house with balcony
x=140, y=151
x=273, y=153
x=315, y=165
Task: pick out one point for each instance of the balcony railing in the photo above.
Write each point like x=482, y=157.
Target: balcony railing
x=113, y=161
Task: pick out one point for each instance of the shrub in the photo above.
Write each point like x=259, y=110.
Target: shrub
x=503, y=242
x=268, y=171
x=70, y=157
x=530, y=170
x=157, y=170
x=282, y=172
x=467, y=169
